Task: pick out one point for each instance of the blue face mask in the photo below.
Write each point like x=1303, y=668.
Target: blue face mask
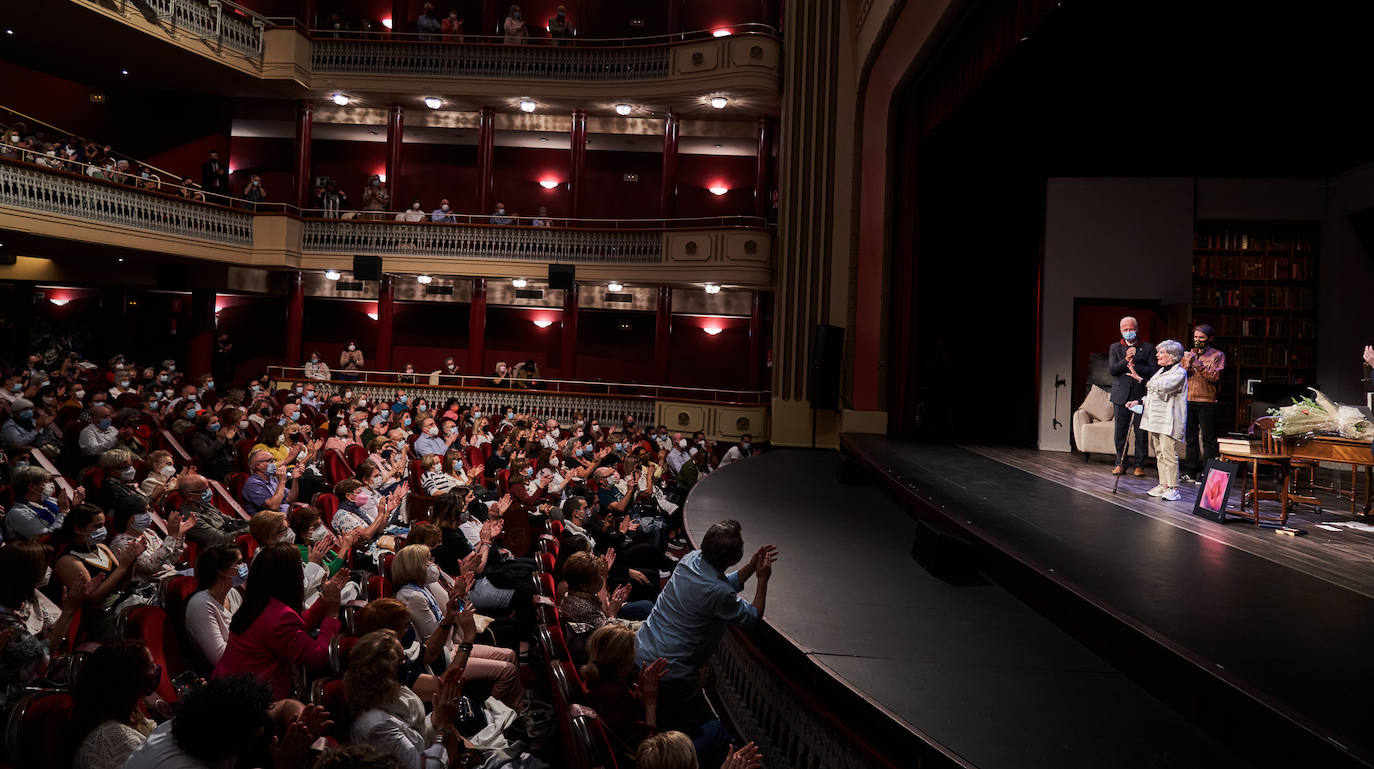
x=403, y=398
x=190, y=413
x=97, y=536
x=242, y=575
x=26, y=415
x=1129, y=336
x=142, y=521
x=529, y=472
x=578, y=453
x=271, y=468
x=295, y=416
x=208, y=495
x=18, y=387
x=457, y=465
x=105, y=423
x=214, y=427
x=406, y=421
x=620, y=447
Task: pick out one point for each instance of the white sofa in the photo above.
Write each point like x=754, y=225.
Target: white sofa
x=1094, y=432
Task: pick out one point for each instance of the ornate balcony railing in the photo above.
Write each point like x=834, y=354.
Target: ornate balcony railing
x=219, y=21
x=486, y=60
x=536, y=244
x=106, y=203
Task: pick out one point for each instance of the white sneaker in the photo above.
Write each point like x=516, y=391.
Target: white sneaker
x=1157, y=491
x=1171, y=495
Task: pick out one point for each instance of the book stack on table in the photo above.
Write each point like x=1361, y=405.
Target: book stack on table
x=1237, y=443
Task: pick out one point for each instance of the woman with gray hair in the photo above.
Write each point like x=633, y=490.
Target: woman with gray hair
x=1165, y=415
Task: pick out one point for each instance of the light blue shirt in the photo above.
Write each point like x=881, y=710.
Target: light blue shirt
x=691, y=615
x=16, y=436
x=440, y=215
x=430, y=444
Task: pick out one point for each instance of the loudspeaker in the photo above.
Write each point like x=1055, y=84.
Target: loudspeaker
x=367, y=268
x=562, y=276
x=823, y=384
x=1363, y=224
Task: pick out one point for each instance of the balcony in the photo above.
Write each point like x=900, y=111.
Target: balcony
x=53, y=203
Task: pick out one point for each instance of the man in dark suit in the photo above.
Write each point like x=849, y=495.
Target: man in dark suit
x=1131, y=362
x=214, y=176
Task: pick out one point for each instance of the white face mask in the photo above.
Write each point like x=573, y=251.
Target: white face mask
x=362, y=402
x=168, y=471
x=243, y=424
x=431, y=573
x=431, y=430
x=318, y=533
x=342, y=431
x=288, y=536
x=47, y=575
x=352, y=347
x=49, y=489
x=127, y=473
x=553, y=461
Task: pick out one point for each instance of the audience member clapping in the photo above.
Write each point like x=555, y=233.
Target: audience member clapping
x=133, y=521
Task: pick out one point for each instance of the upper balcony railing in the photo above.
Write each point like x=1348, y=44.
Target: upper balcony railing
x=598, y=60
x=224, y=23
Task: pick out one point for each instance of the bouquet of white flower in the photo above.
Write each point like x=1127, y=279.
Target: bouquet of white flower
x=1319, y=414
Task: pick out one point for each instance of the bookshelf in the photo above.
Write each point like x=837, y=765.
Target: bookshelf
x=1256, y=284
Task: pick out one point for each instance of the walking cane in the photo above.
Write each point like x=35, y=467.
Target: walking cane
x=1121, y=458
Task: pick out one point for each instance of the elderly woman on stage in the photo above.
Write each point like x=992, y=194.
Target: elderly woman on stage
x=1165, y=415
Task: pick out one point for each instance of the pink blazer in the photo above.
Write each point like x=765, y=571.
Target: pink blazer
x=274, y=641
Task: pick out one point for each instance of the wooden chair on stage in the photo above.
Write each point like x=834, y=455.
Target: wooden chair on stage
x=1271, y=454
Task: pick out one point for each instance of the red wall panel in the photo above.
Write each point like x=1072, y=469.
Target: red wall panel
x=697, y=173
x=434, y=171
x=609, y=196
x=518, y=171
x=512, y=337
x=331, y=323
x=606, y=351
x=350, y=164
x=272, y=159
x=427, y=332
x=699, y=359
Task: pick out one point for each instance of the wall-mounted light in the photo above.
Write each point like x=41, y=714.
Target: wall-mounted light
x=372, y=315
x=433, y=102
x=622, y=109
x=527, y=105
x=543, y=323
x=63, y=302
x=719, y=102
x=332, y=275
x=386, y=23
x=424, y=280
x=519, y=282
x=341, y=99
x=615, y=286
x=548, y=184
x=720, y=32
x=718, y=190
x=381, y=177
x=712, y=330
x=713, y=288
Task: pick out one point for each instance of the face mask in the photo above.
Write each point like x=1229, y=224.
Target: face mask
x=510, y=414
x=142, y=521
x=208, y=495
x=376, y=183
x=529, y=472
x=1129, y=336
x=620, y=447
x=241, y=576
x=123, y=384
x=213, y=427
x=255, y=387
x=105, y=423
x=444, y=208
x=243, y=424
x=163, y=378
x=403, y=398
x=190, y=413
x=168, y=471
x=26, y=415
x=272, y=466
x=362, y=497
x=210, y=385
x=352, y=347
x=288, y=536
x=431, y=430
x=318, y=533
x=596, y=428
x=406, y=420
x=1200, y=344
x=47, y=575
x=453, y=431
x=553, y=461
x=682, y=443
x=342, y=431
x=127, y=473
x=501, y=211
x=49, y=489
x=555, y=432
x=744, y=445
x=300, y=389
x=431, y=573
x=387, y=453
x=281, y=439
x=457, y=465
x=79, y=394
x=362, y=402
x=96, y=537
x=578, y=452
x=314, y=359
x=17, y=387
x=414, y=206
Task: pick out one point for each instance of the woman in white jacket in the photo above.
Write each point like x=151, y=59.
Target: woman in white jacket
x=1165, y=416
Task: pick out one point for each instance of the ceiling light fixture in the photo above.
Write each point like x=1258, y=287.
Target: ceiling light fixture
x=341, y=99
x=622, y=109
x=519, y=282
x=719, y=102
x=713, y=288
x=543, y=138
x=548, y=184
x=124, y=72
x=60, y=302
x=527, y=105
x=720, y=33
x=332, y=275
x=712, y=330
x=9, y=32
x=424, y=280
x=615, y=286
x=543, y=323
x=718, y=190
x=433, y=102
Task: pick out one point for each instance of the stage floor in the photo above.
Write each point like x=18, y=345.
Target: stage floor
x=972, y=666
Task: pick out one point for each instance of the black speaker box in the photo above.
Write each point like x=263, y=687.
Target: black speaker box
x=367, y=268
x=823, y=384
x=562, y=276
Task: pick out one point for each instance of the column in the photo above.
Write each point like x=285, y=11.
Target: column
x=578, y=159
x=674, y=16
x=568, y=354
x=308, y=14
x=385, y=306
x=667, y=200
x=490, y=18
x=756, y=340
x=395, y=127
x=477, y=327
x=400, y=19
x=486, y=143
x=663, y=333
x=763, y=181
x=295, y=316
x=202, y=347
x=304, y=112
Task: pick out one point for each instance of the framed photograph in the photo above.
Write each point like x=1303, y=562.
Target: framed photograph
x=1250, y=385
x=1215, y=491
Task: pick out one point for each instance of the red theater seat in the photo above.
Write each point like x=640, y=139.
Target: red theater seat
x=152, y=626
x=37, y=733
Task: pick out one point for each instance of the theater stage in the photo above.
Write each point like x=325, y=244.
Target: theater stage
x=1105, y=636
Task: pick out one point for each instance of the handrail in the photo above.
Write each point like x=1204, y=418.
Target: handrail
x=731, y=30
x=224, y=22
x=480, y=382
x=524, y=220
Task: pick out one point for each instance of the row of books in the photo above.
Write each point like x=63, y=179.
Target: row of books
x=1277, y=298
x=1253, y=267
x=1234, y=326
x=1274, y=356
x=1241, y=240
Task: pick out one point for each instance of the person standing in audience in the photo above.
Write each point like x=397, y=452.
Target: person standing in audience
x=219, y=569
x=254, y=191
x=268, y=634
x=700, y=601
x=350, y=362
x=442, y=213
x=334, y=200
x=214, y=176
x=1165, y=415
x=561, y=30
x=428, y=25
x=107, y=722
x=1131, y=361
x=516, y=31
x=453, y=27
x=375, y=198
x=500, y=216
x=222, y=365
x=1204, y=364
